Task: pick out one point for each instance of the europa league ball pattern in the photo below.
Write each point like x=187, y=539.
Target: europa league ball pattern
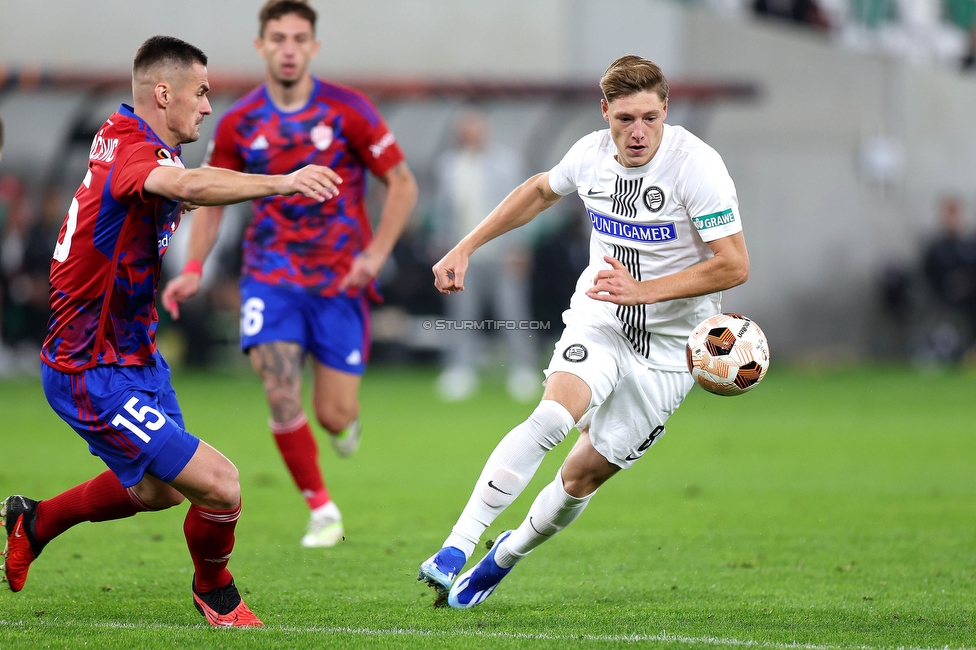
x=727, y=354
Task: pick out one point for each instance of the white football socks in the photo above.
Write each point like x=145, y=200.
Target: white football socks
x=552, y=510
x=508, y=470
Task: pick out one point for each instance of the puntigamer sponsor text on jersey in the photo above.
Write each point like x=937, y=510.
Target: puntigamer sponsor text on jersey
x=633, y=231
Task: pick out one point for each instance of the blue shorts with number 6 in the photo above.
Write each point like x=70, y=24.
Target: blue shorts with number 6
x=128, y=415
x=334, y=329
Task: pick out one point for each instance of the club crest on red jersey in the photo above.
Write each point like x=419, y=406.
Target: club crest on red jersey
x=321, y=136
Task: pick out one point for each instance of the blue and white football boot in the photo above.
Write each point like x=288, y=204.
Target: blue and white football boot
x=440, y=569
x=475, y=585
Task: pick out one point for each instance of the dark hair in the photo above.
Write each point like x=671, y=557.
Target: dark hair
x=275, y=9
x=631, y=74
x=1, y=135
x=160, y=49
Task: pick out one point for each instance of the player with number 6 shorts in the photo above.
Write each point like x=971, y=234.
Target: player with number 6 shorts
x=101, y=371
x=309, y=268
x=666, y=240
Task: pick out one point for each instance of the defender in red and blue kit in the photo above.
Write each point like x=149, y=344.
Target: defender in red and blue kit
x=100, y=359
x=101, y=371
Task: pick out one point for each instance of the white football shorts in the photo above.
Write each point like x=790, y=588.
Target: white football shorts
x=630, y=401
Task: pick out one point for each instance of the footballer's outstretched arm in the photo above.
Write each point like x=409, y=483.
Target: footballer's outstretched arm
x=401, y=196
x=729, y=267
x=215, y=186
x=203, y=236
x=212, y=186
x=517, y=209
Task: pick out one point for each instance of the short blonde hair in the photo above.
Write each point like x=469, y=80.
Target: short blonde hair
x=631, y=74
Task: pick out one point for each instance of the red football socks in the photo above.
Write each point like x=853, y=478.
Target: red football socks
x=210, y=538
x=301, y=454
x=209, y=533
x=100, y=499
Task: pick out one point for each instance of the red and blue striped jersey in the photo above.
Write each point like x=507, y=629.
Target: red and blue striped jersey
x=106, y=265
x=293, y=241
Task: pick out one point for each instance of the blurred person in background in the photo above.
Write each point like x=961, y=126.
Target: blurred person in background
x=28, y=273
x=12, y=224
x=560, y=256
x=209, y=322
x=101, y=371
x=4, y=362
x=309, y=268
x=949, y=269
x=472, y=178
x=27, y=239
x=14, y=221
x=969, y=58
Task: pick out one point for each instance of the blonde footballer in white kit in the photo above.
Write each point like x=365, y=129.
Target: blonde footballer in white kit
x=667, y=239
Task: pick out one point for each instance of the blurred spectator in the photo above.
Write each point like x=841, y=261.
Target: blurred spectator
x=407, y=287
x=406, y=282
x=949, y=268
x=895, y=285
x=3, y=353
x=25, y=256
x=472, y=178
x=30, y=281
x=560, y=257
x=894, y=336
x=969, y=58
x=208, y=327
x=804, y=12
x=13, y=226
x=950, y=261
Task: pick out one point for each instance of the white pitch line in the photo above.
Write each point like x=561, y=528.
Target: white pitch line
x=410, y=632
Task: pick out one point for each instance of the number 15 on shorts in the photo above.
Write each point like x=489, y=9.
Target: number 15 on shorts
x=145, y=417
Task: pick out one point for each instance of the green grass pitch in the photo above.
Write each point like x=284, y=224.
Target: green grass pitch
x=819, y=511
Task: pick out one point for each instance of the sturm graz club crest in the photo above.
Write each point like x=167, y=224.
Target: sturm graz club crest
x=575, y=353
x=654, y=198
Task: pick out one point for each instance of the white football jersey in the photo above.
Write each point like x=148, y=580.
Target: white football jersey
x=654, y=219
